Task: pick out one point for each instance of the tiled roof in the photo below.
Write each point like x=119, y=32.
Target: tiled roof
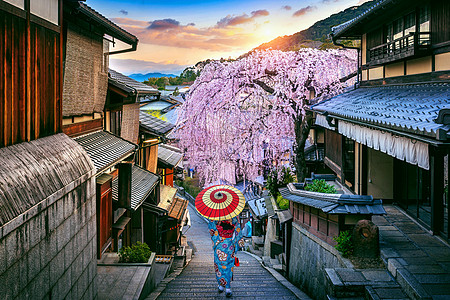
x=334, y=203
x=143, y=183
x=284, y=215
x=105, y=149
x=410, y=108
x=177, y=208
x=169, y=155
x=112, y=29
x=166, y=195
x=128, y=83
x=314, y=153
x=339, y=29
x=258, y=207
x=153, y=124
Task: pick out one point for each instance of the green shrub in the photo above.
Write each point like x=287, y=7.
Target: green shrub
x=282, y=203
x=344, y=243
x=275, y=180
x=137, y=253
x=320, y=186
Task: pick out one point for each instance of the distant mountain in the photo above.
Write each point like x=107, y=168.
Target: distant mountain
x=141, y=77
x=315, y=36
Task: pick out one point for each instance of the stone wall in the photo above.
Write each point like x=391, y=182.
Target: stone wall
x=309, y=258
x=49, y=250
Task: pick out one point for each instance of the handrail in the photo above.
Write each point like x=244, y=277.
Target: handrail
x=410, y=42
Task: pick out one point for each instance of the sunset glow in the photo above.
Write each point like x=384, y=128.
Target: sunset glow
x=176, y=34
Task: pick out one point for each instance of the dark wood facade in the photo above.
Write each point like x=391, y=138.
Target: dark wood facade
x=402, y=43
x=31, y=81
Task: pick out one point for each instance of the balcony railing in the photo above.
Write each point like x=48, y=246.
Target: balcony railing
x=409, y=45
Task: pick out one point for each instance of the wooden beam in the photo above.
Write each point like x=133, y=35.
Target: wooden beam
x=77, y=129
x=437, y=189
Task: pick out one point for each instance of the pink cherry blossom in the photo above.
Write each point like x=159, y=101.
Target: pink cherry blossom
x=240, y=116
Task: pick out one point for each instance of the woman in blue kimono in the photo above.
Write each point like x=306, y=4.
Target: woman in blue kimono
x=227, y=238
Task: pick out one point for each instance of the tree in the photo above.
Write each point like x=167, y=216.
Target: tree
x=243, y=115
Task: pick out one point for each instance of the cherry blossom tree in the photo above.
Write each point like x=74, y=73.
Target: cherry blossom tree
x=243, y=115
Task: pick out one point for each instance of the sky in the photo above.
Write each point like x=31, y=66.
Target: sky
x=175, y=34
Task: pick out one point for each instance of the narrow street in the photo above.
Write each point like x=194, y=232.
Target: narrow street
x=197, y=281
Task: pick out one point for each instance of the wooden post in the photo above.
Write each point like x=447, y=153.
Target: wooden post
x=437, y=189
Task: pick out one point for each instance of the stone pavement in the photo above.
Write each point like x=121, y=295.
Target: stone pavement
x=418, y=261
x=197, y=280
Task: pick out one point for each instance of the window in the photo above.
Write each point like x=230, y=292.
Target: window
x=18, y=3
x=115, y=122
x=46, y=9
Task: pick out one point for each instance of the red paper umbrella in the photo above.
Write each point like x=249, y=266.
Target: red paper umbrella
x=220, y=202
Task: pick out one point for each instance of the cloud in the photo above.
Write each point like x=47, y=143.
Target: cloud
x=123, y=12
x=242, y=19
x=164, y=24
x=303, y=11
x=226, y=35
x=286, y=7
x=260, y=13
x=129, y=66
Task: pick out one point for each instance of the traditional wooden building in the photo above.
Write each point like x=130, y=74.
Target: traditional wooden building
x=152, y=131
x=170, y=163
x=47, y=186
x=390, y=136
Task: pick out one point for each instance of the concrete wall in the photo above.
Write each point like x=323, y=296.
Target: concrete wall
x=309, y=258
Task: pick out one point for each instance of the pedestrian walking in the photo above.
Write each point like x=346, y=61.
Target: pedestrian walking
x=222, y=204
x=227, y=239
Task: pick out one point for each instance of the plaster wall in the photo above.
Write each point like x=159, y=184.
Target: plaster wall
x=309, y=258
x=397, y=69
x=442, y=62
x=364, y=48
x=365, y=75
x=380, y=168
x=376, y=73
x=270, y=235
x=419, y=65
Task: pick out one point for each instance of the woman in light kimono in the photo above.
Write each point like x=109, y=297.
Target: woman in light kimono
x=227, y=238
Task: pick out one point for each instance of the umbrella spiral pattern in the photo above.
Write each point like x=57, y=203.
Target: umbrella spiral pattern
x=220, y=202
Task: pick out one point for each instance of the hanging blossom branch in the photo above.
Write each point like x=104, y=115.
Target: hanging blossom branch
x=240, y=116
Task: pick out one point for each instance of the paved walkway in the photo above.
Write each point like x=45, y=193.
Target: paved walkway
x=197, y=281
x=419, y=261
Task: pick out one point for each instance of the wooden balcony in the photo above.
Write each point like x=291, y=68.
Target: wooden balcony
x=410, y=45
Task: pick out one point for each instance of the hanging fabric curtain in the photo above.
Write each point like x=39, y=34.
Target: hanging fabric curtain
x=405, y=149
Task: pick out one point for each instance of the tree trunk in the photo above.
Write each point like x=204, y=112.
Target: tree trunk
x=302, y=127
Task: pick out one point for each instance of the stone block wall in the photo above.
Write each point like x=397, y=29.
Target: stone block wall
x=309, y=258
x=53, y=254
x=48, y=249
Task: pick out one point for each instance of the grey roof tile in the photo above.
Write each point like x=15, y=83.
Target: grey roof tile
x=129, y=84
x=334, y=203
x=105, y=149
x=153, y=124
x=142, y=184
x=410, y=108
x=339, y=29
x=169, y=155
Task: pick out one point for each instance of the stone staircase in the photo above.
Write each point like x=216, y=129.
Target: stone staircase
x=373, y=284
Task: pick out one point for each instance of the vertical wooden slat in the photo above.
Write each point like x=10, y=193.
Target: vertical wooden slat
x=2, y=74
x=22, y=67
x=37, y=91
x=8, y=81
x=28, y=76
